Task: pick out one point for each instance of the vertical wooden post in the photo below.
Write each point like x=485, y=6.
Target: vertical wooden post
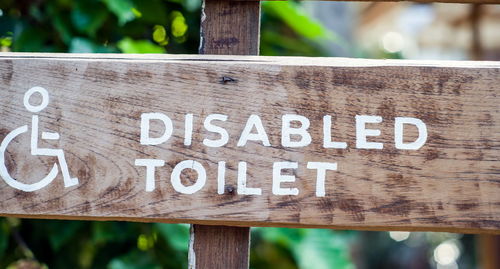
x=232, y=28
x=476, y=48
x=489, y=251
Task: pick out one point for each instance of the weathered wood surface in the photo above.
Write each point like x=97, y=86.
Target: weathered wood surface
x=452, y=183
x=219, y=246
x=419, y=1
x=488, y=248
x=230, y=27
x=226, y=28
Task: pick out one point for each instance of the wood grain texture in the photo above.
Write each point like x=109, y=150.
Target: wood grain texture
x=226, y=28
x=230, y=27
x=220, y=247
x=418, y=1
x=488, y=248
x=450, y=184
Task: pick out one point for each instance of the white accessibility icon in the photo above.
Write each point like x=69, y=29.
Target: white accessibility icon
x=35, y=150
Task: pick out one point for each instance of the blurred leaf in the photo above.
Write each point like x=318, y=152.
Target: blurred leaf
x=291, y=13
x=152, y=11
x=275, y=44
x=61, y=23
x=322, y=249
x=87, y=254
x=35, y=12
x=179, y=26
x=30, y=39
x=160, y=35
x=87, y=17
x=6, y=41
x=128, y=45
x=284, y=236
x=177, y=235
x=311, y=248
x=122, y=9
x=61, y=232
x=106, y=232
x=133, y=260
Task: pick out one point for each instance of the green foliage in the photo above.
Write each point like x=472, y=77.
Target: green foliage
x=175, y=235
x=127, y=45
x=133, y=260
x=82, y=244
x=123, y=9
x=100, y=26
x=301, y=248
x=87, y=17
x=294, y=17
x=144, y=26
x=122, y=245
x=287, y=30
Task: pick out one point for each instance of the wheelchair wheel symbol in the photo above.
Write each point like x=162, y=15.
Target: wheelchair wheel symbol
x=13, y=182
x=35, y=150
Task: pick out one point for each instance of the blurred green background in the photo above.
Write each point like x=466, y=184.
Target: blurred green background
x=172, y=26
x=135, y=26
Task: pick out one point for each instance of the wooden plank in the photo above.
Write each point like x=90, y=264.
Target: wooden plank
x=226, y=28
x=488, y=248
x=96, y=104
x=219, y=246
x=230, y=27
x=417, y=1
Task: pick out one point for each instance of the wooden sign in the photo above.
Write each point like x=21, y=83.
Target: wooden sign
x=251, y=141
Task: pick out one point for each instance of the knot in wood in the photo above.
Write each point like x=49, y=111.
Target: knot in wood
x=230, y=189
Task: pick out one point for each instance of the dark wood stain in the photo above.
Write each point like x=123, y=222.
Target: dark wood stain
x=485, y=120
x=427, y=88
x=356, y=79
x=400, y=181
x=387, y=109
x=225, y=42
x=466, y=205
x=353, y=207
x=431, y=154
x=428, y=112
x=302, y=80
x=137, y=76
x=7, y=71
x=326, y=205
x=400, y=206
x=98, y=74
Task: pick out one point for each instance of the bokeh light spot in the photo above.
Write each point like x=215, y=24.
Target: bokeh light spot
x=393, y=42
x=160, y=35
x=399, y=236
x=446, y=253
x=179, y=25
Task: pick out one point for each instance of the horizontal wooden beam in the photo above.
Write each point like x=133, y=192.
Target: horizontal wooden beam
x=255, y=141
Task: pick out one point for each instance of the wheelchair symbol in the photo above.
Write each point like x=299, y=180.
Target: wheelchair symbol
x=35, y=150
